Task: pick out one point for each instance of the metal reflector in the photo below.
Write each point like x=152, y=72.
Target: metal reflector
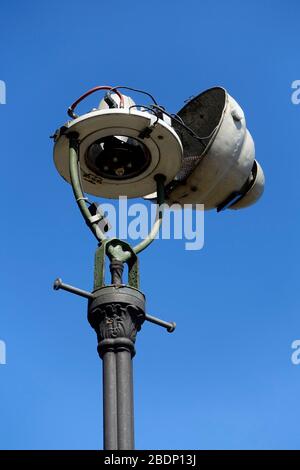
x=218, y=170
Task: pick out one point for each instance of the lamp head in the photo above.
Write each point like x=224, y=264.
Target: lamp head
x=205, y=151
x=120, y=149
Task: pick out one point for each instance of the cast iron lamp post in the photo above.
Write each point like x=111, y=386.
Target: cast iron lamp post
x=121, y=148
x=117, y=311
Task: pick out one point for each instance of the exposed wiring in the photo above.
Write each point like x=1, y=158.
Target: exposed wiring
x=152, y=111
x=178, y=117
x=152, y=108
x=145, y=107
x=88, y=93
x=115, y=88
x=180, y=121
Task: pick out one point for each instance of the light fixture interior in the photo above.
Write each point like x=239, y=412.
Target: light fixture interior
x=117, y=157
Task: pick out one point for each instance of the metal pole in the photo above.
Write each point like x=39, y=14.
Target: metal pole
x=110, y=411
x=125, y=401
x=124, y=379
x=117, y=312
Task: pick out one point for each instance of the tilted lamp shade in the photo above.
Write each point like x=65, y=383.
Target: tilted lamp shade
x=255, y=189
x=221, y=168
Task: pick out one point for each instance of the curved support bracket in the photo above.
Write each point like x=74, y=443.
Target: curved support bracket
x=92, y=221
x=160, y=179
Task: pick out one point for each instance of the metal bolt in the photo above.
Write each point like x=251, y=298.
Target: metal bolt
x=170, y=326
x=58, y=284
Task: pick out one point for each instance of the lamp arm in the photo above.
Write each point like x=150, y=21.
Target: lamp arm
x=92, y=221
x=160, y=179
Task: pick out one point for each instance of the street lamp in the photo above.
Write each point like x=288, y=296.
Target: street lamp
x=203, y=154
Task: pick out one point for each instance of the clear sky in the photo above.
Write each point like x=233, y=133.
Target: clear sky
x=224, y=379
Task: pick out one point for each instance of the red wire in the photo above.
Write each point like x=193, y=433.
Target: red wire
x=88, y=93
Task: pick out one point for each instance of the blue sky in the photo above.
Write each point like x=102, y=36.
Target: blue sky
x=224, y=379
